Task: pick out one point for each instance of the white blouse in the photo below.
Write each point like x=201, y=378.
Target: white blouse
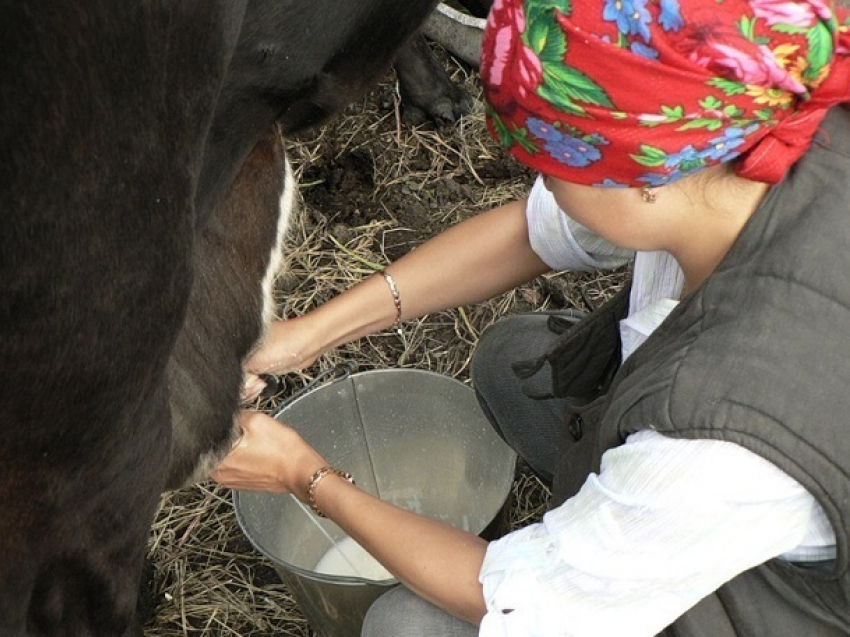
x=666, y=521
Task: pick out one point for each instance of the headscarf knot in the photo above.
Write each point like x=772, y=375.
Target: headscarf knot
x=644, y=92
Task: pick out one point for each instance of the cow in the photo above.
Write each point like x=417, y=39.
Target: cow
x=144, y=193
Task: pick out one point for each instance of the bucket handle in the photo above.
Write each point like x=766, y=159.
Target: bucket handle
x=338, y=372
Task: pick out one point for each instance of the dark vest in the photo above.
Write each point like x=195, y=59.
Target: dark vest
x=759, y=355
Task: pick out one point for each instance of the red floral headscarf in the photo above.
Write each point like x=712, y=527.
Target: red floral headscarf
x=643, y=92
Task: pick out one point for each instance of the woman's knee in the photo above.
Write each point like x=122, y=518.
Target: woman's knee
x=497, y=348
x=515, y=339
x=401, y=613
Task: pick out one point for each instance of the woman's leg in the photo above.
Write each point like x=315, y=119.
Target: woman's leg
x=531, y=426
x=401, y=613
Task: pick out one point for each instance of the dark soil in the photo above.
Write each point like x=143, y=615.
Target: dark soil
x=342, y=185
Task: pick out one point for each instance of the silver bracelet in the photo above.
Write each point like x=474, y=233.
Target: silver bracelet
x=396, y=299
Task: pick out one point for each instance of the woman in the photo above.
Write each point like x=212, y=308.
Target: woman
x=697, y=447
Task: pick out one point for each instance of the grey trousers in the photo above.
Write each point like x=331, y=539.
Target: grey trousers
x=529, y=425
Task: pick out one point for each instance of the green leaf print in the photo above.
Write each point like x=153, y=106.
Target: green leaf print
x=788, y=28
x=687, y=165
x=505, y=137
x=542, y=34
x=711, y=103
x=730, y=87
x=556, y=98
x=706, y=123
x=820, y=49
x=542, y=9
x=508, y=137
x=747, y=27
x=673, y=113
x=730, y=110
x=562, y=86
x=650, y=156
x=575, y=85
x=546, y=40
x=521, y=138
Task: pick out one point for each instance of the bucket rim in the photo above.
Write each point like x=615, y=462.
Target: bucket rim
x=348, y=374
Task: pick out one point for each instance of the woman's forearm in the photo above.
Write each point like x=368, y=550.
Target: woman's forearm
x=475, y=260
x=436, y=561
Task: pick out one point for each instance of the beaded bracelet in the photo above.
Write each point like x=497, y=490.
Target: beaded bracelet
x=314, y=481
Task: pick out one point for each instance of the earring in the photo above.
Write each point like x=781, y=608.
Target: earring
x=648, y=194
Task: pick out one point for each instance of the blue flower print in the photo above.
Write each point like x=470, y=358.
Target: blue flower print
x=643, y=50
x=670, y=18
x=632, y=16
x=541, y=129
x=564, y=148
x=722, y=148
x=658, y=179
x=610, y=183
x=596, y=139
x=687, y=155
x=661, y=179
x=616, y=11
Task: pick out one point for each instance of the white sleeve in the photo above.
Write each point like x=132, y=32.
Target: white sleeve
x=665, y=523
x=564, y=244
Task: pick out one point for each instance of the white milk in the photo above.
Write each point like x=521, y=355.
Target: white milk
x=348, y=558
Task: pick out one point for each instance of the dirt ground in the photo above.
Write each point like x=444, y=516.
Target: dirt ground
x=373, y=188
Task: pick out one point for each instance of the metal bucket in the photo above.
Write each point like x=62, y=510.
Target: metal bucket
x=415, y=438
x=461, y=34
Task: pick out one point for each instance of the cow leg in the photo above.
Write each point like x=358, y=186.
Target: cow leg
x=236, y=261
x=426, y=90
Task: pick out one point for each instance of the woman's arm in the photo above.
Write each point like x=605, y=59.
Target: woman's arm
x=435, y=560
x=472, y=261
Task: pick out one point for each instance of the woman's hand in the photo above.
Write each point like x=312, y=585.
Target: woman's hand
x=288, y=346
x=252, y=386
x=269, y=456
